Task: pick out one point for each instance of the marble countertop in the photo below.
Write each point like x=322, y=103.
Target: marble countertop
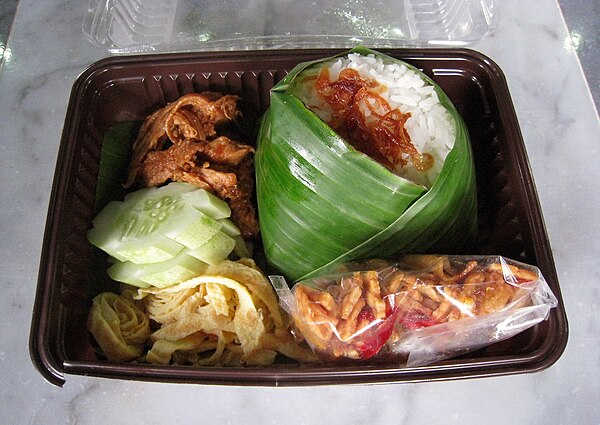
x=45, y=54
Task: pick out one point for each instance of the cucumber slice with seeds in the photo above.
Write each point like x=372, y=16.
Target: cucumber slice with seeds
x=163, y=236
x=154, y=248
x=155, y=224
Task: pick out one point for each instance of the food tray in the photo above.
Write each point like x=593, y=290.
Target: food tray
x=131, y=87
x=129, y=26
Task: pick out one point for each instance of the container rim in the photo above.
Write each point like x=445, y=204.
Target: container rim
x=54, y=364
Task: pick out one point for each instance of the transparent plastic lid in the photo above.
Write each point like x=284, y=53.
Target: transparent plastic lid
x=134, y=26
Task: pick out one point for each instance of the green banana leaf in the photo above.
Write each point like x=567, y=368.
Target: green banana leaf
x=321, y=202
x=114, y=160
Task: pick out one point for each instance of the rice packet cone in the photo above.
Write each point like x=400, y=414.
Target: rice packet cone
x=314, y=182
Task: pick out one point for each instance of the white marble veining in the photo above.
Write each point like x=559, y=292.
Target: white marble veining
x=561, y=130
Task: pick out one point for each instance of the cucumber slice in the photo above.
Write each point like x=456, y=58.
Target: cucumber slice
x=163, y=236
x=215, y=250
x=178, y=269
x=106, y=241
x=129, y=234
x=123, y=271
x=103, y=221
x=107, y=215
x=154, y=248
x=134, y=197
x=177, y=188
x=208, y=203
x=190, y=227
x=229, y=228
x=174, y=189
x=155, y=224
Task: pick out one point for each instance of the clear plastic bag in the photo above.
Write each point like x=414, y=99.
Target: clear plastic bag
x=419, y=310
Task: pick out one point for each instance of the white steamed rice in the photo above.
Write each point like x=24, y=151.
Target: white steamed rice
x=430, y=127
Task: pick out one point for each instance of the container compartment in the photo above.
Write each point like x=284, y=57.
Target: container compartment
x=131, y=87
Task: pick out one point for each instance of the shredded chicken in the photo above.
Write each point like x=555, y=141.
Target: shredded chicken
x=193, y=117
x=180, y=143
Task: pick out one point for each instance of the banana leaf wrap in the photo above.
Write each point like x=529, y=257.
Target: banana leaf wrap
x=321, y=202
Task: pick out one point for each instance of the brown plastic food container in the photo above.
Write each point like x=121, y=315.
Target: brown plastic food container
x=129, y=88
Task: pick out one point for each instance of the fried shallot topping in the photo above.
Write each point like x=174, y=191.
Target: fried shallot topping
x=382, y=136
x=180, y=143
